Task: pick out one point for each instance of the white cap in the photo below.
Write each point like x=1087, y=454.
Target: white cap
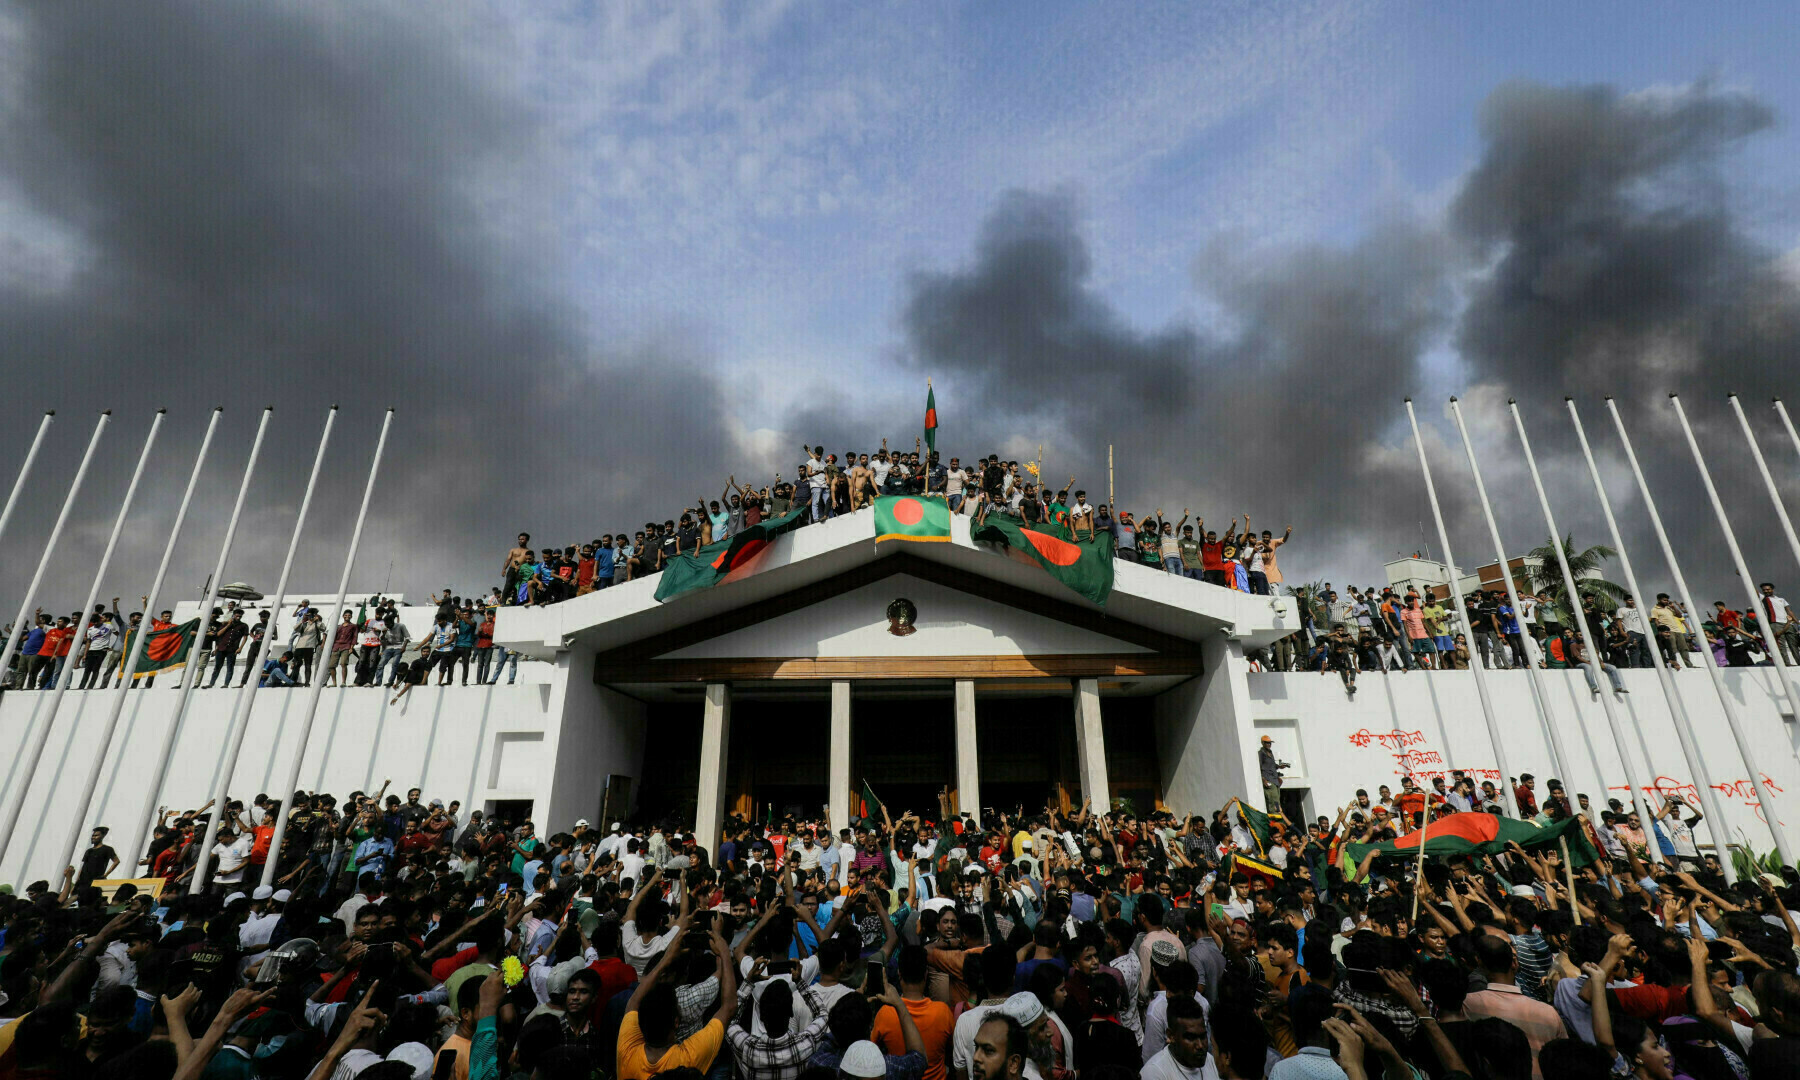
x=617, y=826
x=1025, y=1008
x=581, y=823
x=416, y=1055
x=863, y=1059
x=282, y=896
x=233, y=898
x=263, y=892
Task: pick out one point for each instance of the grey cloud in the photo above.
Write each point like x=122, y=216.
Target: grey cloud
x=302, y=204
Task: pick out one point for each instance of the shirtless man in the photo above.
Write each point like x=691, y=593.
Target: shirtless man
x=862, y=483
x=514, y=559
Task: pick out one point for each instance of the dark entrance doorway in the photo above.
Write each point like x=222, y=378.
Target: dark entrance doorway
x=778, y=763
x=1026, y=749
x=905, y=749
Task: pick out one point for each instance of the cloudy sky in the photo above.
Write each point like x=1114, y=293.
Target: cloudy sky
x=600, y=256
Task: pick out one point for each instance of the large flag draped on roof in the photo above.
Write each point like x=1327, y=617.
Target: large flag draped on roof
x=735, y=556
x=1483, y=834
x=1086, y=567
x=908, y=517
x=164, y=650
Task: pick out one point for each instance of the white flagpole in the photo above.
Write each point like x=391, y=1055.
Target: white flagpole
x=240, y=717
x=1462, y=615
x=84, y=804
x=34, y=747
x=1781, y=411
x=26, y=611
x=1560, y=758
x=158, y=776
x=1726, y=702
x=1782, y=674
x=1762, y=466
x=1595, y=672
x=318, y=685
x=1709, y=797
x=25, y=471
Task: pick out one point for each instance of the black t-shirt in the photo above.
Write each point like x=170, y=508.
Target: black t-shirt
x=94, y=862
x=689, y=539
x=1031, y=510
x=993, y=481
x=668, y=546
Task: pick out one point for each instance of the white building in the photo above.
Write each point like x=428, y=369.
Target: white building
x=786, y=687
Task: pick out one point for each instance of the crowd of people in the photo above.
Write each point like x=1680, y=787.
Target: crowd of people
x=1391, y=630
x=400, y=940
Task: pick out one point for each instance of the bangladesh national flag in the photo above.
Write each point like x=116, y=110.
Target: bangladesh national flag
x=1086, y=567
x=738, y=555
x=164, y=650
x=907, y=517
x=1483, y=834
x=930, y=418
x=871, y=806
x=1257, y=822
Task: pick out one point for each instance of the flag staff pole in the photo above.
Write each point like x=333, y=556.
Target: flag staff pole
x=146, y=820
x=1677, y=710
x=240, y=720
x=1781, y=410
x=1111, y=509
x=1762, y=466
x=1569, y=867
x=1595, y=672
x=1540, y=695
x=926, y=464
x=37, y=577
x=1419, y=873
x=136, y=649
x=1782, y=671
x=1708, y=661
x=1462, y=614
x=34, y=748
x=25, y=471
x=318, y=685
x=33, y=753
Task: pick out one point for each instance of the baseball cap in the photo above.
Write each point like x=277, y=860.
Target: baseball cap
x=863, y=1059
x=581, y=823
x=1266, y=738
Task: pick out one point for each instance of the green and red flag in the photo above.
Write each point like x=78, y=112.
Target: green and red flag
x=1086, y=567
x=1482, y=834
x=738, y=555
x=909, y=517
x=930, y=417
x=868, y=806
x=164, y=650
x=1256, y=822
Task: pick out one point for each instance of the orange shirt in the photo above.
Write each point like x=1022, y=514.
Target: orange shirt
x=697, y=1051
x=57, y=640
x=935, y=1025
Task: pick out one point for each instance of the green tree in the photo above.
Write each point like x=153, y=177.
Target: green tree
x=1547, y=581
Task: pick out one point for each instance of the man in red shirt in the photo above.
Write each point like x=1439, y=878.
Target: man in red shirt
x=1522, y=795
x=615, y=974
x=413, y=844
x=55, y=651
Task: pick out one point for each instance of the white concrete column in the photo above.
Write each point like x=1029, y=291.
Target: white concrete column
x=838, y=796
x=715, y=747
x=968, y=764
x=1090, y=746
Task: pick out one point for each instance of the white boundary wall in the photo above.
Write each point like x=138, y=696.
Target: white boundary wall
x=476, y=745
x=1431, y=722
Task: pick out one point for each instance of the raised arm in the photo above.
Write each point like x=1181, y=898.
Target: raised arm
x=637, y=898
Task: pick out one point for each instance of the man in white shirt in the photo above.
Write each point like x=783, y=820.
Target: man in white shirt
x=233, y=853
x=954, y=480
x=1781, y=623
x=1632, y=618
x=1184, y=1054
x=614, y=844
x=846, y=851
x=265, y=911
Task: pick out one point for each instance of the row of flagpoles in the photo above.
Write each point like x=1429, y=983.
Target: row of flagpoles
x=1783, y=674
x=26, y=766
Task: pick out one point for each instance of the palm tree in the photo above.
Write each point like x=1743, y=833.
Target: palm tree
x=1547, y=581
